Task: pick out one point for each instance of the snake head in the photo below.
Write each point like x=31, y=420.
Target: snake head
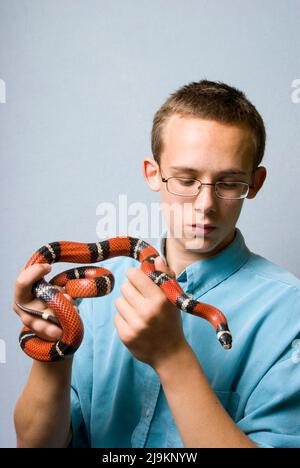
x=225, y=338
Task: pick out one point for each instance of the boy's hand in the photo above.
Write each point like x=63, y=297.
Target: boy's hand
x=147, y=322
x=23, y=296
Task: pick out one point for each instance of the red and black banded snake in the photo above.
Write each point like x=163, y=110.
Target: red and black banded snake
x=92, y=281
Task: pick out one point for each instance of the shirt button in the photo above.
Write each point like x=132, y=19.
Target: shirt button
x=147, y=413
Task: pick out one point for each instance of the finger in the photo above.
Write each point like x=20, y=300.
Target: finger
x=70, y=299
x=42, y=328
x=26, y=279
x=142, y=282
x=122, y=327
x=125, y=310
x=45, y=330
x=133, y=321
x=132, y=295
x=161, y=265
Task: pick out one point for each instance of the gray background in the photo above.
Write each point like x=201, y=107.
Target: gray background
x=84, y=79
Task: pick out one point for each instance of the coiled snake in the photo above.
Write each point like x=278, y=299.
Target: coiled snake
x=92, y=281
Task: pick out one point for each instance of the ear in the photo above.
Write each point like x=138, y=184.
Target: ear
x=257, y=181
x=151, y=174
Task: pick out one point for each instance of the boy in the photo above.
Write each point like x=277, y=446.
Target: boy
x=148, y=375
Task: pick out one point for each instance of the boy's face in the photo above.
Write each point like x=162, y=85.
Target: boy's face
x=203, y=150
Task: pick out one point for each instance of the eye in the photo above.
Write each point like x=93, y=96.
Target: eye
x=186, y=182
x=228, y=185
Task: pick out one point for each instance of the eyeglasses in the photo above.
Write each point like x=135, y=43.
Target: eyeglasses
x=185, y=187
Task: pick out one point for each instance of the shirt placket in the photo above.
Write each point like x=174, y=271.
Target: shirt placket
x=149, y=401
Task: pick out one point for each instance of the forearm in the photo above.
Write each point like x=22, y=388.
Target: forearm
x=201, y=419
x=42, y=413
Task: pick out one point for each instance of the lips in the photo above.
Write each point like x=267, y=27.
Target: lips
x=202, y=229
x=203, y=226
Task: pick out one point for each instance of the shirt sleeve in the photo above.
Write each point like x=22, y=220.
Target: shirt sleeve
x=82, y=381
x=272, y=414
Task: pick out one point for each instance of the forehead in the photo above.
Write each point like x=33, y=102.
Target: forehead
x=201, y=143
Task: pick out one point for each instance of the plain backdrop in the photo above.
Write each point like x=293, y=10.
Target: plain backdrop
x=83, y=80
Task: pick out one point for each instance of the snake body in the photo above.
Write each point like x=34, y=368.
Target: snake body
x=92, y=281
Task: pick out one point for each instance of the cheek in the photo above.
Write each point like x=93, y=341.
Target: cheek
x=175, y=211
x=230, y=211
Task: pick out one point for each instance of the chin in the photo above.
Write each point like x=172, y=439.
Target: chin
x=199, y=244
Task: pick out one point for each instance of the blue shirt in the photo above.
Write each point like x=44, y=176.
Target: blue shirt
x=117, y=400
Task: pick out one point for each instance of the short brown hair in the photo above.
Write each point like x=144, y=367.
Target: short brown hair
x=214, y=101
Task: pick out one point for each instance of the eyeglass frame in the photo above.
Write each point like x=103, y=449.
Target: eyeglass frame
x=164, y=180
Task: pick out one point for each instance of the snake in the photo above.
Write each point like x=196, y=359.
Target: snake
x=94, y=281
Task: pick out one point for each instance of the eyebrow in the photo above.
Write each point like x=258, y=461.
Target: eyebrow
x=193, y=171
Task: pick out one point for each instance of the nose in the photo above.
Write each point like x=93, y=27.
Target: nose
x=206, y=199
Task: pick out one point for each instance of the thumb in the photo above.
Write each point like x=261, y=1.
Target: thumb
x=160, y=265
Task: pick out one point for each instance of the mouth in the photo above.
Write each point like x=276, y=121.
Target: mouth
x=203, y=228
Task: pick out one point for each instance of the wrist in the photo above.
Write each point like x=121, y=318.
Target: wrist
x=58, y=372
x=181, y=358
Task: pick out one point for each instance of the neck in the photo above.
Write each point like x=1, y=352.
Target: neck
x=179, y=258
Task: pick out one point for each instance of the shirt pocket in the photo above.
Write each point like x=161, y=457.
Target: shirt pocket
x=230, y=402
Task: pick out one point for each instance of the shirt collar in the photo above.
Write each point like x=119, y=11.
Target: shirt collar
x=203, y=275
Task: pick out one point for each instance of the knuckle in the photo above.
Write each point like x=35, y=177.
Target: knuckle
x=131, y=272
x=54, y=332
x=128, y=337
x=150, y=310
x=20, y=283
x=144, y=324
x=26, y=319
x=162, y=300
x=39, y=327
x=149, y=320
x=157, y=304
